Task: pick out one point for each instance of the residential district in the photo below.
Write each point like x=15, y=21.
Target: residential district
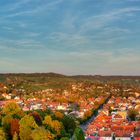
x=99, y=111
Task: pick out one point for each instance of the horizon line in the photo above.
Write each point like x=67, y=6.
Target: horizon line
x=113, y=75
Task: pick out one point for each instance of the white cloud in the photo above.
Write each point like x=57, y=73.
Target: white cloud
x=38, y=9
x=14, y=6
x=100, y=21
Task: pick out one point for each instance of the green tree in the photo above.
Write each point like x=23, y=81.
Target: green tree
x=74, y=137
x=64, y=138
x=78, y=134
x=69, y=124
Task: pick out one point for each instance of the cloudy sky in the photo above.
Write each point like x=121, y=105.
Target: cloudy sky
x=70, y=36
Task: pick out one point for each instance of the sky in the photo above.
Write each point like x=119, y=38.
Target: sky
x=70, y=36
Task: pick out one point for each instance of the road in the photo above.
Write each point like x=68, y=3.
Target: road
x=84, y=125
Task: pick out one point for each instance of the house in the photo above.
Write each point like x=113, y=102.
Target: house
x=61, y=107
x=6, y=96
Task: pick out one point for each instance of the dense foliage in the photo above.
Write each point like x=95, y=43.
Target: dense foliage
x=19, y=125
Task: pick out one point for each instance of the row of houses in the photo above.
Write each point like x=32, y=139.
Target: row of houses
x=114, y=118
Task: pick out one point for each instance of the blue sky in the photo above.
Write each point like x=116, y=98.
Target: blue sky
x=70, y=36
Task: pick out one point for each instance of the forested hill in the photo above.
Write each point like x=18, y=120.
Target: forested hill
x=51, y=74
x=58, y=80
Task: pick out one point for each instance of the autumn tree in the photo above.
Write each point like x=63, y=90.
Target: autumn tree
x=6, y=120
x=88, y=114
x=0, y=120
x=15, y=136
x=2, y=135
x=14, y=126
x=48, y=120
x=58, y=115
x=41, y=133
x=10, y=111
x=26, y=125
x=13, y=109
x=132, y=113
x=57, y=126
x=36, y=117
x=53, y=124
